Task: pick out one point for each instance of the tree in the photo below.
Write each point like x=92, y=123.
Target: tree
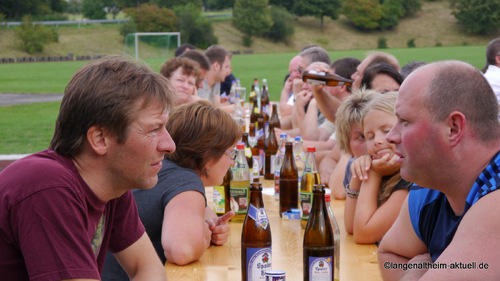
x=151, y=18
x=252, y=18
x=32, y=37
x=219, y=4
x=318, y=8
x=410, y=6
x=93, y=9
x=172, y=4
x=282, y=28
x=194, y=27
x=363, y=13
x=478, y=16
x=287, y=4
x=392, y=10
x=15, y=9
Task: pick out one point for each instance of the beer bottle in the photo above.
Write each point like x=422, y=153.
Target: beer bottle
x=251, y=97
x=278, y=161
x=310, y=177
x=289, y=181
x=222, y=195
x=238, y=112
x=328, y=79
x=271, y=147
x=261, y=139
x=248, y=150
x=274, y=116
x=239, y=184
x=318, y=246
x=265, y=97
x=255, y=113
x=255, y=238
x=336, y=236
x=252, y=141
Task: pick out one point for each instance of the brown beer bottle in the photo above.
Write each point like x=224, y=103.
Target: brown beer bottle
x=222, y=195
x=274, y=116
x=265, y=97
x=289, y=181
x=255, y=238
x=318, y=246
x=255, y=114
x=248, y=150
x=270, y=149
x=261, y=139
x=328, y=79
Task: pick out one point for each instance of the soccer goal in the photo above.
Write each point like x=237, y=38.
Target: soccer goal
x=149, y=46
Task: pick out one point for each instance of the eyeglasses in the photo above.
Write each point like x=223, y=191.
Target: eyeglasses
x=231, y=154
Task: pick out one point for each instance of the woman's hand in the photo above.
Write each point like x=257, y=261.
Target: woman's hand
x=360, y=167
x=386, y=165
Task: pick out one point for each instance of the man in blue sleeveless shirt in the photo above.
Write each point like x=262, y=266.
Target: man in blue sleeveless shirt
x=448, y=138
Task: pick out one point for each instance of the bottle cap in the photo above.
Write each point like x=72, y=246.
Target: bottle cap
x=328, y=197
x=298, y=138
x=283, y=135
x=311, y=149
x=240, y=145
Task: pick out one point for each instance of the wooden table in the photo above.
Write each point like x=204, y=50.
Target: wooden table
x=220, y=263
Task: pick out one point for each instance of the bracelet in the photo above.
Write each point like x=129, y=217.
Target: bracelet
x=351, y=193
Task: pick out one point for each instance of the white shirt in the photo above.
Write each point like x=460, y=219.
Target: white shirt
x=492, y=75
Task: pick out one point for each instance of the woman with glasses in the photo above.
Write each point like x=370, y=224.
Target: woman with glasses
x=175, y=212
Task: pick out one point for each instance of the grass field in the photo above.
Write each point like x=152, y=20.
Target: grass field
x=29, y=128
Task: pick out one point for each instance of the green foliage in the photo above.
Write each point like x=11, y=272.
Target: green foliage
x=127, y=28
x=93, y=9
x=151, y=18
x=392, y=10
x=51, y=17
x=16, y=9
x=411, y=43
x=287, y=4
x=220, y=4
x=382, y=43
x=194, y=27
x=365, y=14
x=252, y=17
x=282, y=29
x=318, y=8
x=411, y=6
x=174, y=4
x=478, y=16
x=32, y=37
x=74, y=7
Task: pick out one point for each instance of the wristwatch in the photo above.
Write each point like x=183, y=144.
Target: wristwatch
x=351, y=193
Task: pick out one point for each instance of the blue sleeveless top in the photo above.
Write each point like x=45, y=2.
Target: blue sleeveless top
x=432, y=217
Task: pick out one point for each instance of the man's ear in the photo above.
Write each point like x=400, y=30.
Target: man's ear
x=216, y=66
x=457, y=123
x=96, y=137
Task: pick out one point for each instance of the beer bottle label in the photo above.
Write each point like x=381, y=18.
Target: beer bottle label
x=259, y=216
x=277, y=181
x=219, y=199
x=320, y=268
x=306, y=199
x=258, y=261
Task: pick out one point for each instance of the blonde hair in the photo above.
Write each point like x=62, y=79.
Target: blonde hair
x=349, y=114
x=385, y=103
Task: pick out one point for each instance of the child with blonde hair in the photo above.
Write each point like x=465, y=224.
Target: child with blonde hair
x=376, y=191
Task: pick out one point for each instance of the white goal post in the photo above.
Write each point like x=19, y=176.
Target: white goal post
x=139, y=34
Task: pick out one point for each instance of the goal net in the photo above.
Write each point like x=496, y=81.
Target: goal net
x=152, y=46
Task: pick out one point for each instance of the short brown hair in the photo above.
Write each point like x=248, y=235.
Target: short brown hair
x=189, y=67
x=106, y=93
x=216, y=53
x=201, y=132
x=198, y=57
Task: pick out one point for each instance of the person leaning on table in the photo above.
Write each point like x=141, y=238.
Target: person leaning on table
x=448, y=138
x=175, y=211
x=61, y=209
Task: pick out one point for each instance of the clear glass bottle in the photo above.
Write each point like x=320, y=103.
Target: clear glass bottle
x=310, y=177
x=278, y=161
x=300, y=157
x=336, y=236
x=240, y=184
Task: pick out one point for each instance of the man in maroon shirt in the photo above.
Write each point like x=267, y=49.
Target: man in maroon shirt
x=61, y=209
